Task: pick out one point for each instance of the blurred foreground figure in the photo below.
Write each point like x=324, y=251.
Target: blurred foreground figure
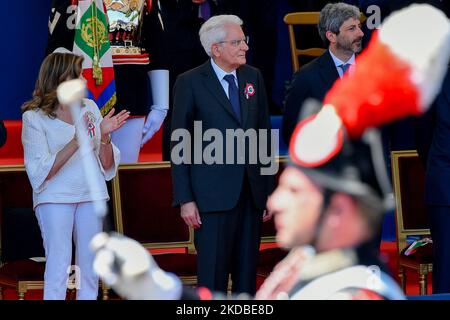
x=336, y=188
x=334, y=209
x=325, y=214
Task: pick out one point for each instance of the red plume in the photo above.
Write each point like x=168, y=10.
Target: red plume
x=378, y=91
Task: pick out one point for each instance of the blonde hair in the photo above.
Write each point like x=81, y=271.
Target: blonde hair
x=55, y=69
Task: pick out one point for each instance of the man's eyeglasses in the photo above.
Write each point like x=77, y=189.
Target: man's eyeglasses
x=236, y=43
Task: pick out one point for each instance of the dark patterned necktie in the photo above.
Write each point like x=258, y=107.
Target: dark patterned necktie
x=233, y=95
x=344, y=67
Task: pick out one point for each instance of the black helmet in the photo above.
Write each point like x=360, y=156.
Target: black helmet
x=353, y=166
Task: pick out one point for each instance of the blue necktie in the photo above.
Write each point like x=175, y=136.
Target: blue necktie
x=344, y=67
x=233, y=95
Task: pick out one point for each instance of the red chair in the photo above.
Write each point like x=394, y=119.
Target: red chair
x=11, y=153
x=20, y=235
x=408, y=176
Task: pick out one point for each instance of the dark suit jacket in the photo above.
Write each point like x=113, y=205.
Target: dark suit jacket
x=199, y=96
x=312, y=81
x=437, y=177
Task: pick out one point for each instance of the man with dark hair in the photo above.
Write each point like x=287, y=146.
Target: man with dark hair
x=340, y=29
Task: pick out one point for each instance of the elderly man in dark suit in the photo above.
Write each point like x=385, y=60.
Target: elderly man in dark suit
x=340, y=30
x=223, y=199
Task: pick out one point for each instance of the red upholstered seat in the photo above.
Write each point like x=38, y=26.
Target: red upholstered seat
x=422, y=255
x=23, y=270
x=12, y=152
x=20, y=235
x=183, y=265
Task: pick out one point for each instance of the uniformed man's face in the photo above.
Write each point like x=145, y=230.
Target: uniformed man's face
x=296, y=203
x=230, y=53
x=350, y=36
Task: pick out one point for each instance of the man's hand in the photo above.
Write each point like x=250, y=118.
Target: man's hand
x=190, y=214
x=267, y=215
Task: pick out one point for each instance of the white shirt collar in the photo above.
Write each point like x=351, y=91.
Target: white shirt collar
x=338, y=62
x=220, y=72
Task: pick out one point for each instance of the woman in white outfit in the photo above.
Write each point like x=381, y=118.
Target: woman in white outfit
x=62, y=199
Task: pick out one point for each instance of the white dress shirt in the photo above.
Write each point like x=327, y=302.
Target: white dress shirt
x=220, y=73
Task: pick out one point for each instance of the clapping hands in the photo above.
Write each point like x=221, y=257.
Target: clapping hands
x=111, y=123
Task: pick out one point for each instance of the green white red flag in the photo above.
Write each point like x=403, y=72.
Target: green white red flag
x=92, y=42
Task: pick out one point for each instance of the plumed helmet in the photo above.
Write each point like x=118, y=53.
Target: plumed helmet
x=353, y=166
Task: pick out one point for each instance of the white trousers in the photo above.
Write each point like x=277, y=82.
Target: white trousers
x=58, y=222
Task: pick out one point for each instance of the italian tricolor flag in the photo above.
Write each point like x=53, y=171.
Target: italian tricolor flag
x=92, y=42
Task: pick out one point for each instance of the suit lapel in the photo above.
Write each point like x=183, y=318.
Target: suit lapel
x=242, y=81
x=328, y=70
x=212, y=83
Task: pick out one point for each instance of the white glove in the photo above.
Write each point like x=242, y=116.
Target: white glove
x=126, y=266
x=159, y=83
x=153, y=122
